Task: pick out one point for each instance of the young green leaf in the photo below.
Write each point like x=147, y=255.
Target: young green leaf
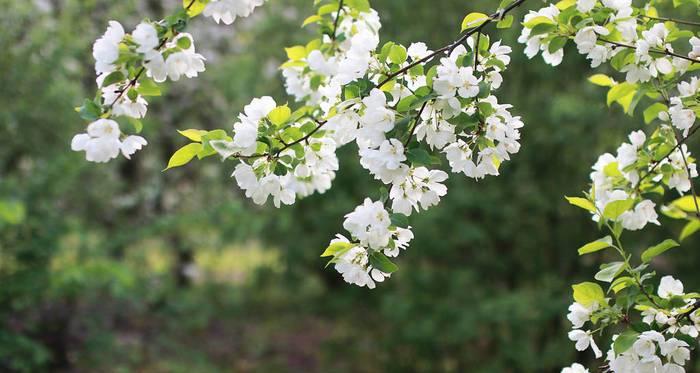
x=659, y=249
x=596, y=245
x=582, y=203
x=473, y=20
x=587, y=293
x=184, y=155
x=614, y=209
x=382, y=263
x=609, y=271
x=337, y=248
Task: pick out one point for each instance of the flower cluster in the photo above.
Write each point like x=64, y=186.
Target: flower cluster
x=617, y=182
x=363, y=261
x=662, y=346
x=406, y=116
x=130, y=66
x=603, y=31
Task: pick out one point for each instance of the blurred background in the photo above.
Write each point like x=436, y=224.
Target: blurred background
x=124, y=268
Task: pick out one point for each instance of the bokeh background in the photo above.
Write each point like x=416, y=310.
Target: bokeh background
x=124, y=268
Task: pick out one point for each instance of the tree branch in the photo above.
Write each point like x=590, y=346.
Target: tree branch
x=657, y=51
x=451, y=46
x=674, y=20
x=657, y=163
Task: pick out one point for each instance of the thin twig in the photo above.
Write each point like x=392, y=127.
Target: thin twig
x=674, y=20
x=337, y=19
x=139, y=73
x=657, y=163
x=415, y=124
x=476, y=50
x=454, y=44
x=664, y=52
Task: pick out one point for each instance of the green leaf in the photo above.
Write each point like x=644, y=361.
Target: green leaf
x=652, y=112
x=557, y=44
x=405, y=103
x=582, y=203
x=474, y=20
x=192, y=134
x=621, y=283
x=114, y=77
x=689, y=229
x=196, y=8
x=624, y=341
x=418, y=156
x=596, y=245
x=587, y=293
x=620, y=92
x=398, y=54
x=90, y=110
x=399, y=220
x=184, y=43
x=382, y=263
x=361, y=5
x=279, y=115
x=654, y=251
x=686, y=203
x=337, y=248
x=312, y=19
x=609, y=271
x=616, y=208
x=601, y=80
x=506, y=22
x=296, y=53
x=147, y=87
x=542, y=28
x=184, y=155
x=565, y=4
x=540, y=20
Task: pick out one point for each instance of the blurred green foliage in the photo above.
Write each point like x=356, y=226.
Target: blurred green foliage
x=122, y=268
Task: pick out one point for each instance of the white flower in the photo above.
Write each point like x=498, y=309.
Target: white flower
x=100, y=143
x=583, y=340
x=146, y=36
x=226, y=11
x=452, y=79
x=416, y=51
x=695, y=45
x=579, y=314
x=669, y=287
x=585, y=6
x=106, y=49
x=575, y=368
x=645, y=345
x=675, y=350
x=369, y=223
x=185, y=62
x=131, y=145
x=353, y=266
x=681, y=118
x=638, y=218
x=672, y=368
x=155, y=66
